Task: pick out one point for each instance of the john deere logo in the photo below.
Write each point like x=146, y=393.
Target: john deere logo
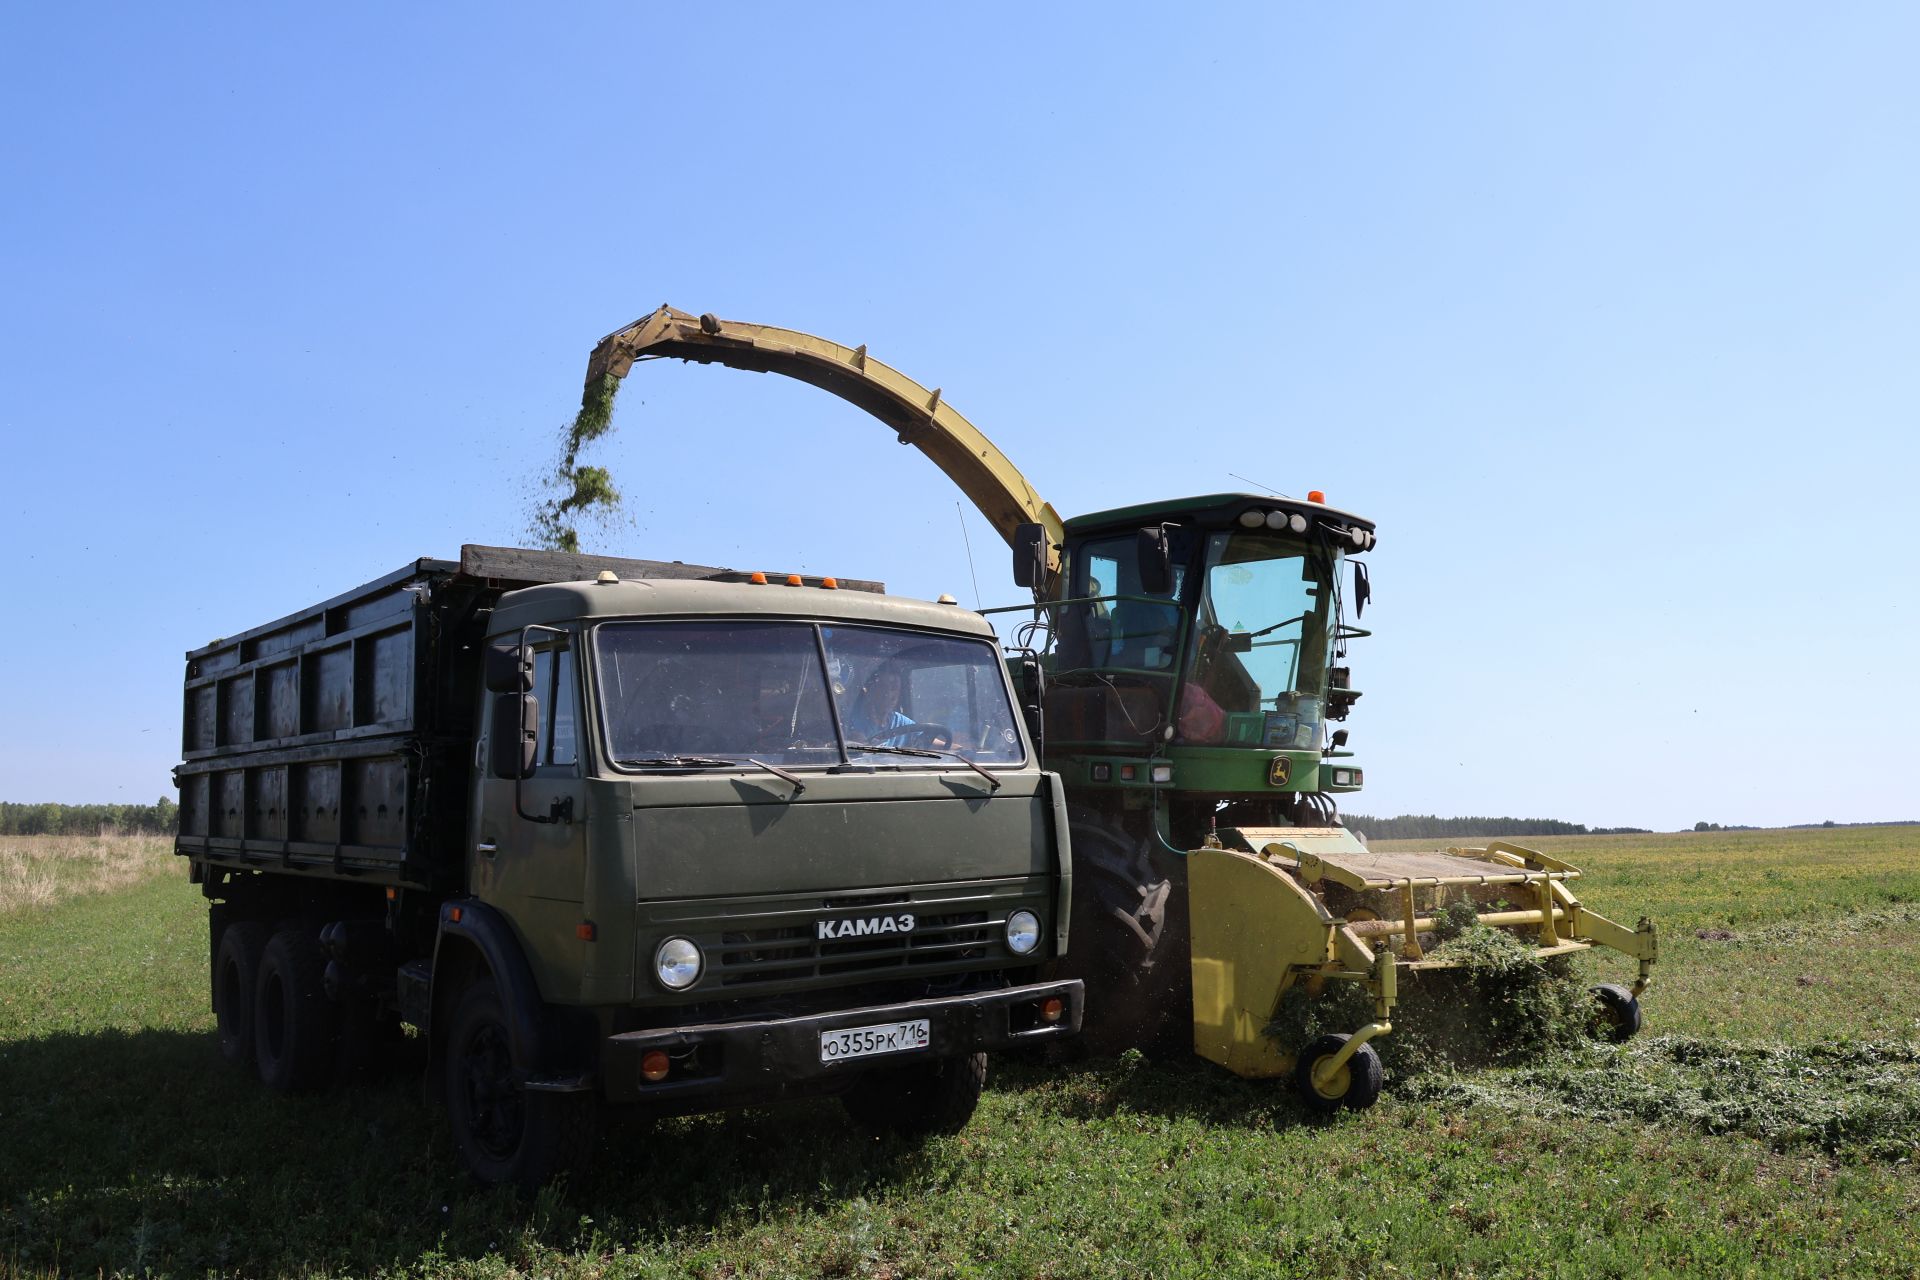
x=1281, y=771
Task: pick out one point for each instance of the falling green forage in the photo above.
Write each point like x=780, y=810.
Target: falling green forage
x=573, y=490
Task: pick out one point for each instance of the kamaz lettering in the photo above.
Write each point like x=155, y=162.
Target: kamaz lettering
x=831, y=929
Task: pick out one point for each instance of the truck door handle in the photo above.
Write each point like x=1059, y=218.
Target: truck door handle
x=487, y=847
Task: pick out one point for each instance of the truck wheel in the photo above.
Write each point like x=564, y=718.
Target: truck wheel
x=1616, y=1014
x=294, y=1024
x=919, y=1099
x=236, y=963
x=1356, y=1085
x=505, y=1133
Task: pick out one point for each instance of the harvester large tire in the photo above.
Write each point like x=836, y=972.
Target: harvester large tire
x=235, y=965
x=294, y=1024
x=1128, y=941
x=507, y=1134
x=1355, y=1086
x=919, y=1098
x=1616, y=1014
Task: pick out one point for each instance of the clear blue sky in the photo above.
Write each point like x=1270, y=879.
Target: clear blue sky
x=1609, y=315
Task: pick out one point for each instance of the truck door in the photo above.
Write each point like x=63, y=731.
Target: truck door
x=529, y=849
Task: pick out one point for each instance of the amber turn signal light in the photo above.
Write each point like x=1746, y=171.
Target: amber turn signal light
x=654, y=1066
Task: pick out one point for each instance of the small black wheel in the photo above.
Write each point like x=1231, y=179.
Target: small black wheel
x=294, y=1024
x=506, y=1133
x=1356, y=1085
x=1616, y=1014
x=920, y=1098
x=236, y=963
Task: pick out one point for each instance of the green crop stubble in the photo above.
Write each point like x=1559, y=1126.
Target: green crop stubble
x=125, y=1147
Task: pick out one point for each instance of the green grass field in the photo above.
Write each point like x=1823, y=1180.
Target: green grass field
x=1767, y=1123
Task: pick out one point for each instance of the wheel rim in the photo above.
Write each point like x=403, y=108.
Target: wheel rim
x=1333, y=1085
x=493, y=1100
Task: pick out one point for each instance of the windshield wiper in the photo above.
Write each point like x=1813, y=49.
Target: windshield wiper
x=699, y=761
x=711, y=762
x=993, y=782
x=1284, y=622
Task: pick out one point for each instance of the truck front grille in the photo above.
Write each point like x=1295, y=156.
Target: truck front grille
x=784, y=953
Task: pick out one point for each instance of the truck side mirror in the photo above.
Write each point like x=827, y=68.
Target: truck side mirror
x=1033, y=699
x=1156, y=561
x=1362, y=587
x=509, y=668
x=1029, y=555
x=513, y=735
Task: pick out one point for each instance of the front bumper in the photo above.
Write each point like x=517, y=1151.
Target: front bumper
x=740, y=1062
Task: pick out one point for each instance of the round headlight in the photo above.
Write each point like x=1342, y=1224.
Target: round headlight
x=677, y=964
x=1023, y=932
x=1252, y=519
x=1297, y=523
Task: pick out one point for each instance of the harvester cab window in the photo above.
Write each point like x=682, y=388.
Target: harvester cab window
x=1261, y=650
x=1119, y=624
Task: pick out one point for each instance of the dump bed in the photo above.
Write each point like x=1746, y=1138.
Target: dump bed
x=337, y=741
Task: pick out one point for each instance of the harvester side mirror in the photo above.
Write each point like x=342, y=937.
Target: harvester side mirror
x=1362, y=587
x=1156, y=561
x=509, y=668
x=1339, y=739
x=513, y=735
x=1029, y=555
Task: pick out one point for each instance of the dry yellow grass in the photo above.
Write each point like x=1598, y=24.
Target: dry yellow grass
x=38, y=871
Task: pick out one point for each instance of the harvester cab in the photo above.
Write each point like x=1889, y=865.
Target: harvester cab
x=1190, y=658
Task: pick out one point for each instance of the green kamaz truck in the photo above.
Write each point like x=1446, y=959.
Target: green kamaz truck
x=602, y=831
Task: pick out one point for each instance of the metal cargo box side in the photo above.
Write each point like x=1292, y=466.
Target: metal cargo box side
x=336, y=742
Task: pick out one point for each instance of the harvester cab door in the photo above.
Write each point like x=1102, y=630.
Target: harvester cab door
x=529, y=850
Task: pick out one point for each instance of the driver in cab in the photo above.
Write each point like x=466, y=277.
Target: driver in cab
x=875, y=717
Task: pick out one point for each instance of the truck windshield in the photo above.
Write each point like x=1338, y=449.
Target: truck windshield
x=728, y=691
x=1257, y=671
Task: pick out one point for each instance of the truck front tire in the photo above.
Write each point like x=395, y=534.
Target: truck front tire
x=294, y=1024
x=236, y=967
x=504, y=1132
x=919, y=1098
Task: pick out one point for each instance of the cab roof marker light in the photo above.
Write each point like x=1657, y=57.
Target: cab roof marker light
x=1253, y=519
x=757, y=578
x=1276, y=519
x=831, y=584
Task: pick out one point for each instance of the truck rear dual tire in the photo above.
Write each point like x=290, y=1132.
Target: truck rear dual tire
x=236, y=968
x=295, y=1025
x=920, y=1098
x=507, y=1134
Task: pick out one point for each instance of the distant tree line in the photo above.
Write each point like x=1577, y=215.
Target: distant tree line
x=1427, y=826
x=159, y=818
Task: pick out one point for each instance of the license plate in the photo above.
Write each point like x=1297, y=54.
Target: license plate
x=864, y=1042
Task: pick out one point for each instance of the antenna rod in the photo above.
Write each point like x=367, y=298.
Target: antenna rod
x=959, y=511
